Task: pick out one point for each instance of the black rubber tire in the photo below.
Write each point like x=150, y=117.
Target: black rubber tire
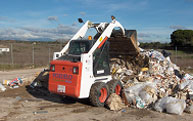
x=95, y=94
x=112, y=87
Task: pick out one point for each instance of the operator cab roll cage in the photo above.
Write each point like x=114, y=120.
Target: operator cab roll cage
x=103, y=29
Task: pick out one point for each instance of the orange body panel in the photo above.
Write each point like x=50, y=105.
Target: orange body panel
x=63, y=78
x=104, y=40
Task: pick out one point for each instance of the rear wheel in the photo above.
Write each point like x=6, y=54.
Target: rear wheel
x=98, y=94
x=115, y=86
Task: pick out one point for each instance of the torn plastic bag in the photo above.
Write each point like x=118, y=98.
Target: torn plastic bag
x=147, y=98
x=140, y=103
x=156, y=54
x=145, y=93
x=176, y=107
x=138, y=87
x=170, y=105
x=188, y=77
x=165, y=53
x=186, y=83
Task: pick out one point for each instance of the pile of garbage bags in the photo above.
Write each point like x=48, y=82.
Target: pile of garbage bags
x=152, y=81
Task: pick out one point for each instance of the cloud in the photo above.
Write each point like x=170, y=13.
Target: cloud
x=65, y=14
x=176, y=27
x=53, y=18
x=147, y=35
x=82, y=13
x=14, y=34
x=61, y=31
x=152, y=35
x=6, y=19
x=2, y=18
x=74, y=24
x=144, y=35
x=29, y=33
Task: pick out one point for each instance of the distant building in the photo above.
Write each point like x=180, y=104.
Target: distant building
x=3, y=49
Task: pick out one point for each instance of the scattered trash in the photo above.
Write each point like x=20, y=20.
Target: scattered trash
x=15, y=82
x=2, y=87
x=170, y=105
x=140, y=94
x=114, y=102
x=144, y=69
x=6, y=82
x=165, y=53
x=40, y=112
x=18, y=98
x=151, y=77
x=123, y=110
x=189, y=109
x=139, y=103
x=150, y=80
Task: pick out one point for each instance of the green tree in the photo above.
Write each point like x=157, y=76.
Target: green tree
x=182, y=38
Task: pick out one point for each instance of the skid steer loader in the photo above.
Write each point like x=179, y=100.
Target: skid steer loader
x=81, y=69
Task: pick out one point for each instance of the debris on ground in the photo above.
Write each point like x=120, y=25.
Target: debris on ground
x=40, y=112
x=140, y=94
x=150, y=81
x=189, y=108
x=114, y=102
x=2, y=88
x=170, y=105
x=151, y=77
x=15, y=83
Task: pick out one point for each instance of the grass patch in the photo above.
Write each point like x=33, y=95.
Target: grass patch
x=7, y=67
x=4, y=67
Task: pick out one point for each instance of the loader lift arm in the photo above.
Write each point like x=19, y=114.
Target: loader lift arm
x=105, y=29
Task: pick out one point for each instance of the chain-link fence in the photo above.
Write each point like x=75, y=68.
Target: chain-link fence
x=182, y=57
x=26, y=53
x=23, y=54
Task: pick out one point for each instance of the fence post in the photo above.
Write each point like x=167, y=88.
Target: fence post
x=49, y=55
x=176, y=53
x=12, y=61
x=33, y=53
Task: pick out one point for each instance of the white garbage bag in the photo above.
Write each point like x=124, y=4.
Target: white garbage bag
x=143, y=93
x=170, y=105
x=2, y=87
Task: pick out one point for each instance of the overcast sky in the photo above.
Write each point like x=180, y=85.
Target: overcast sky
x=154, y=20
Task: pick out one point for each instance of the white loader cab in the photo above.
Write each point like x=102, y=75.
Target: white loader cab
x=81, y=69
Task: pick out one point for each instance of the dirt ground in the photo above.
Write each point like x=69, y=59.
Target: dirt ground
x=24, y=73
x=26, y=104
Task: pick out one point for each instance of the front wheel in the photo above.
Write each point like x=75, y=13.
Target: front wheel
x=115, y=86
x=98, y=94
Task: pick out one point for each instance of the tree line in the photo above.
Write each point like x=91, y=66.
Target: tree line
x=182, y=39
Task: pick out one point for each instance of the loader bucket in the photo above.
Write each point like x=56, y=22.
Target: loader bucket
x=124, y=45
